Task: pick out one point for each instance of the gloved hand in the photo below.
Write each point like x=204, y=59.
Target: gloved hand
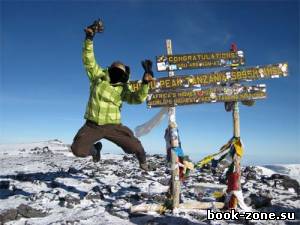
x=96, y=27
x=148, y=75
x=147, y=78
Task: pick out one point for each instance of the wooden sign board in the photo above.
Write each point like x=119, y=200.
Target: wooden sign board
x=191, y=81
x=199, y=60
x=211, y=95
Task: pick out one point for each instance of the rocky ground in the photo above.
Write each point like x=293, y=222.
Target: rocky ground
x=43, y=183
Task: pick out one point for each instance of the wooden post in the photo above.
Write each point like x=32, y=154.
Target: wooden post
x=233, y=202
x=236, y=119
x=175, y=182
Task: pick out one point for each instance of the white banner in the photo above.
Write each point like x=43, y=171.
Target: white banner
x=145, y=128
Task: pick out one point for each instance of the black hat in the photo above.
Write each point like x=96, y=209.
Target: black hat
x=118, y=72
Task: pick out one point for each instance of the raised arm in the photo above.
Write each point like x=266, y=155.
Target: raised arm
x=94, y=71
x=92, y=68
x=137, y=97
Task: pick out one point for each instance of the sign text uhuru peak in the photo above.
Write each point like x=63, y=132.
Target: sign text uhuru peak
x=247, y=74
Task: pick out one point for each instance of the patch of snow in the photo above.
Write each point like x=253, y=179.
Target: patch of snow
x=265, y=171
x=292, y=170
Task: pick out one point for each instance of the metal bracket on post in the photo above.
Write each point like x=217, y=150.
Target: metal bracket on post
x=175, y=184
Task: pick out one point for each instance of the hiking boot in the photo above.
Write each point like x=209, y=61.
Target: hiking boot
x=97, y=155
x=144, y=166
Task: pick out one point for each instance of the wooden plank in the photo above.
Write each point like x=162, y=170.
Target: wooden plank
x=210, y=95
x=201, y=205
x=199, y=60
x=245, y=74
x=144, y=208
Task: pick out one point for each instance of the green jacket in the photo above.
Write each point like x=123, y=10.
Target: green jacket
x=105, y=99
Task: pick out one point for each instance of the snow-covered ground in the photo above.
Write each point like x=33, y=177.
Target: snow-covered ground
x=43, y=183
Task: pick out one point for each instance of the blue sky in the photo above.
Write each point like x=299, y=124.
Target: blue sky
x=44, y=88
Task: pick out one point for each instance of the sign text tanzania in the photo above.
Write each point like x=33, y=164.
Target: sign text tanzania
x=247, y=74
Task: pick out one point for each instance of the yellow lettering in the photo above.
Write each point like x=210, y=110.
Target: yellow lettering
x=167, y=82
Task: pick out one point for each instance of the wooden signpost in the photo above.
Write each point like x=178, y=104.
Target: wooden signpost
x=222, y=77
x=222, y=86
x=199, y=60
x=210, y=95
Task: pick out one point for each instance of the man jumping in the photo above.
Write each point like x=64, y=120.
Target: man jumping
x=108, y=89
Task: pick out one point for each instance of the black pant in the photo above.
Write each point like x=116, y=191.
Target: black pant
x=121, y=135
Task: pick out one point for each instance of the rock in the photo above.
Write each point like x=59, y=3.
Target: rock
x=54, y=184
x=120, y=173
x=158, y=156
x=44, y=150
x=251, y=176
x=251, y=173
x=138, y=177
x=285, y=181
x=120, y=213
x=190, y=194
x=134, y=188
x=244, y=189
x=94, y=196
x=133, y=198
x=87, y=181
x=106, y=189
x=278, y=176
x=128, y=158
x=266, y=180
x=111, y=209
x=203, y=180
x=159, y=174
x=161, y=198
x=4, y=184
x=167, y=172
x=68, y=201
x=23, y=177
x=152, y=166
x=288, y=182
x=73, y=170
x=222, y=180
x=247, y=200
x=68, y=222
x=164, y=181
x=144, y=195
x=98, y=194
x=198, y=216
x=96, y=189
x=29, y=212
x=260, y=200
x=8, y=215
x=56, y=140
x=109, y=161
